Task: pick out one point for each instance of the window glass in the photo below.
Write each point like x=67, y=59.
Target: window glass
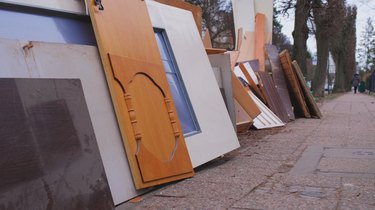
x=184, y=109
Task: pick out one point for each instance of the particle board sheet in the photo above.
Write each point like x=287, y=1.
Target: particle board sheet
x=254, y=64
x=247, y=51
x=266, y=119
x=147, y=117
x=69, y=6
x=49, y=155
x=244, y=16
x=221, y=68
x=260, y=40
x=216, y=129
x=243, y=98
x=52, y=60
x=251, y=79
x=279, y=79
x=272, y=96
x=195, y=10
x=311, y=104
x=243, y=120
x=297, y=97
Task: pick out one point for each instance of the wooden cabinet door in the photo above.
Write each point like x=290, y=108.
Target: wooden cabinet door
x=147, y=116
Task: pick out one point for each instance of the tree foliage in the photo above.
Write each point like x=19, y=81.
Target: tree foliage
x=343, y=50
x=280, y=40
x=366, y=51
x=217, y=16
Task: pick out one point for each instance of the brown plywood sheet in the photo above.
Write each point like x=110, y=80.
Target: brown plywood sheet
x=294, y=86
x=311, y=104
x=260, y=40
x=131, y=60
x=239, y=39
x=49, y=154
x=279, y=79
x=233, y=58
x=273, y=99
x=195, y=10
x=243, y=98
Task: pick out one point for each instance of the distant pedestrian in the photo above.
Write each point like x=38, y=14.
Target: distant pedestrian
x=355, y=82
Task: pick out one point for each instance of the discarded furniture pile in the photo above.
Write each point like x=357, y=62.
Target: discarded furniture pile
x=134, y=100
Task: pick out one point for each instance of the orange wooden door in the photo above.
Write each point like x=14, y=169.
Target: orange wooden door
x=146, y=113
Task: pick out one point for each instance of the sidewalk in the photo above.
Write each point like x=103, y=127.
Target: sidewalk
x=309, y=164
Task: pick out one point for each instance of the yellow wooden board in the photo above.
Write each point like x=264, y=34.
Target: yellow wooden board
x=147, y=117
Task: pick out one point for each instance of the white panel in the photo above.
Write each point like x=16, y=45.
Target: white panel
x=265, y=7
x=218, y=136
x=243, y=15
x=71, y=6
x=266, y=119
x=222, y=66
x=47, y=60
x=251, y=72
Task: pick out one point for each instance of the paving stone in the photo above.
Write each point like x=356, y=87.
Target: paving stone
x=347, y=165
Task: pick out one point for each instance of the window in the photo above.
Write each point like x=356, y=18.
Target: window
x=185, y=112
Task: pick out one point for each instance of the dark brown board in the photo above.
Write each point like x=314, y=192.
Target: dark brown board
x=279, y=79
x=267, y=86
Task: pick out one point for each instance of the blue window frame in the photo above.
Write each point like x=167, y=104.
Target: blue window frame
x=184, y=108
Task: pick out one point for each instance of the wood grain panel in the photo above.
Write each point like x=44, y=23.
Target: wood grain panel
x=243, y=98
x=195, y=10
x=140, y=93
x=273, y=99
x=311, y=104
x=260, y=39
x=298, y=99
x=279, y=79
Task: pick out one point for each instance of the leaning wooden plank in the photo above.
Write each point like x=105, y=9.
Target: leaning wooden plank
x=195, y=10
x=207, y=40
x=295, y=89
x=279, y=79
x=141, y=96
x=267, y=119
x=313, y=107
x=243, y=120
x=247, y=47
x=273, y=99
x=243, y=98
x=260, y=40
x=251, y=80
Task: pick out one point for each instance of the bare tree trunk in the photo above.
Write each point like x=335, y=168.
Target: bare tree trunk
x=301, y=33
x=320, y=76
